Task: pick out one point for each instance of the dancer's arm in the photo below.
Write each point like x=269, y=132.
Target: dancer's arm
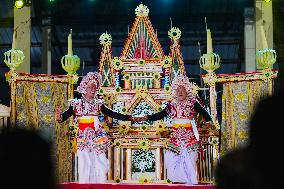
x=105, y=110
x=61, y=117
x=157, y=116
x=198, y=108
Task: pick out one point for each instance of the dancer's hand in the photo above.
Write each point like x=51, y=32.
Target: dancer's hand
x=134, y=119
x=207, y=125
x=144, y=118
x=138, y=119
x=58, y=117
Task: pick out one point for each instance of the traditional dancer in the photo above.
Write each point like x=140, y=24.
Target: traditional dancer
x=184, y=144
x=92, y=141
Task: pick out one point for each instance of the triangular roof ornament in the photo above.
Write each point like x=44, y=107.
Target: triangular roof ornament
x=106, y=69
x=142, y=41
x=145, y=96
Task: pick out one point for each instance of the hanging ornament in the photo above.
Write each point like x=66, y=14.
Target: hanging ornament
x=105, y=39
x=142, y=10
x=174, y=33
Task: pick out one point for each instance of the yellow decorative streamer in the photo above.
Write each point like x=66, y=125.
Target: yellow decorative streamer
x=238, y=103
x=64, y=154
x=31, y=105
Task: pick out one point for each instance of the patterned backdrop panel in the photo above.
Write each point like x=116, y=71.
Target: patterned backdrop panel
x=238, y=103
x=35, y=108
x=143, y=161
x=142, y=109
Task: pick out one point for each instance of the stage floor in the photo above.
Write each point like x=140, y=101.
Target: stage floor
x=132, y=186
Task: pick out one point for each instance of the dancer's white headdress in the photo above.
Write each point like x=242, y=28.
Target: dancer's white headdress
x=182, y=80
x=90, y=78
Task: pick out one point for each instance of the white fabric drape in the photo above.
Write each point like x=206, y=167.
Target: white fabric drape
x=92, y=167
x=181, y=168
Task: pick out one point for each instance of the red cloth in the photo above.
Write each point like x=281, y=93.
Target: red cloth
x=83, y=126
x=132, y=186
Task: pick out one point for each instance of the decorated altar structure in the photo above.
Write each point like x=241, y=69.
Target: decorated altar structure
x=138, y=83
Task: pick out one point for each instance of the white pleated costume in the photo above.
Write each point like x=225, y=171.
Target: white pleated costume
x=91, y=139
x=184, y=144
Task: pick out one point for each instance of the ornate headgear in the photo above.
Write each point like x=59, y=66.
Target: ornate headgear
x=90, y=78
x=182, y=80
